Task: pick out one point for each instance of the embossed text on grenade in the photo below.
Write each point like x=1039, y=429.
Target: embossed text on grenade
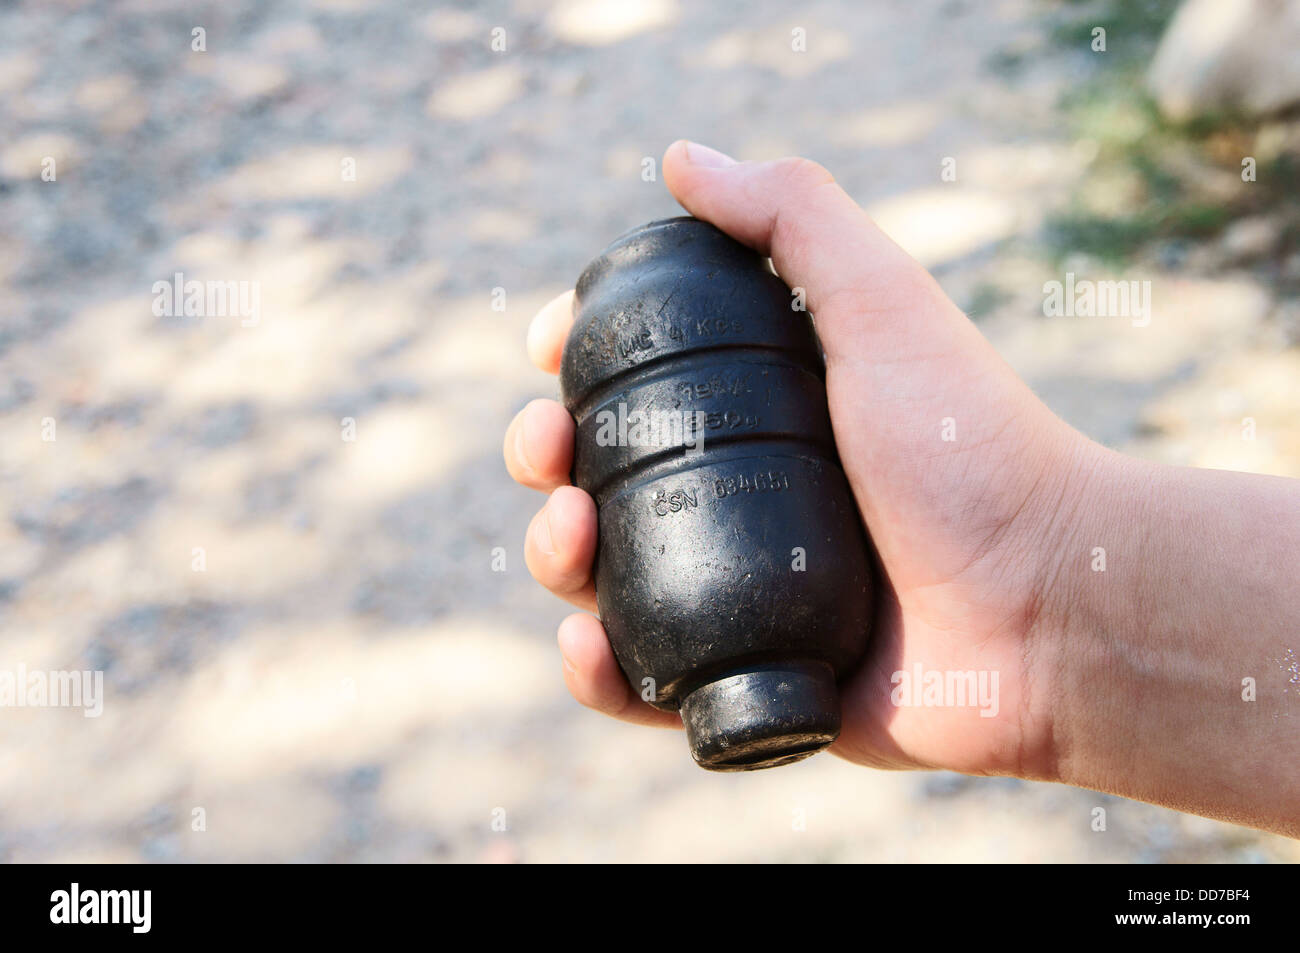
x=732, y=571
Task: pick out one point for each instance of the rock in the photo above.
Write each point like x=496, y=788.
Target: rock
x=1248, y=238
x=1286, y=317
x=1291, y=268
x=1238, y=55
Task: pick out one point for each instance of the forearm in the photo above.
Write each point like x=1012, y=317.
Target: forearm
x=1157, y=656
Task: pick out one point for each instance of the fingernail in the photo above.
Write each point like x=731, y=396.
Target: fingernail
x=542, y=535
x=706, y=157
x=521, y=452
x=533, y=339
x=568, y=666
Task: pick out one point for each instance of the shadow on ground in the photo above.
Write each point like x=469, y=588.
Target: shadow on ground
x=278, y=533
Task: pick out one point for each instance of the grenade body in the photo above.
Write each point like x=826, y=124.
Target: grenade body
x=732, y=570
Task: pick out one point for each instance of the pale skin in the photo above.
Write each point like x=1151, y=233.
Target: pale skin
x=1128, y=681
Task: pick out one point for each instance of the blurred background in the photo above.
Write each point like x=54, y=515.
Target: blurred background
x=319, y=639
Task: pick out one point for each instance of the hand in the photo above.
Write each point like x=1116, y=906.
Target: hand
x=959, y=523
x=1171, y=677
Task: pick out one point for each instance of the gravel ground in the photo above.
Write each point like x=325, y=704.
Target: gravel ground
x=308, y=655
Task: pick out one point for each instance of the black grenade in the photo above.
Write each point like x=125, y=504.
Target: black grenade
x=732, y=570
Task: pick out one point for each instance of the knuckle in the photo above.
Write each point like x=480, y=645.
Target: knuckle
x=800, y=173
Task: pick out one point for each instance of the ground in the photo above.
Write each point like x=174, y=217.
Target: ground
x=279, y=534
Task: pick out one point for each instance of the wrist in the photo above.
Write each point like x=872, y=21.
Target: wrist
x=1089, y=513
x=1157, y=659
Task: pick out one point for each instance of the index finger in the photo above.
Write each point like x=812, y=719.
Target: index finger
x=548, y=330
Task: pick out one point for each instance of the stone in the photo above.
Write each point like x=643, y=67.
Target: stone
x=1237, y=56
x=1248, y=238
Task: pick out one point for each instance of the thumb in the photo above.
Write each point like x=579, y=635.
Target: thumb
x=819, y=239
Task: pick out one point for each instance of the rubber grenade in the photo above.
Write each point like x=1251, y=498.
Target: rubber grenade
x=732, y=570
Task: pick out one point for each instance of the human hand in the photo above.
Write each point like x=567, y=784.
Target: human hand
x=958, y=523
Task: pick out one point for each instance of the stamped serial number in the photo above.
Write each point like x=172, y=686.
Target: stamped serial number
x=751, y=483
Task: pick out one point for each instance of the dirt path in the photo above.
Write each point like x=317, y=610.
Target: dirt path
x=307, y=652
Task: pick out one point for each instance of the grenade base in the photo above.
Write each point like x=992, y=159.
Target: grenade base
x=763, y=717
